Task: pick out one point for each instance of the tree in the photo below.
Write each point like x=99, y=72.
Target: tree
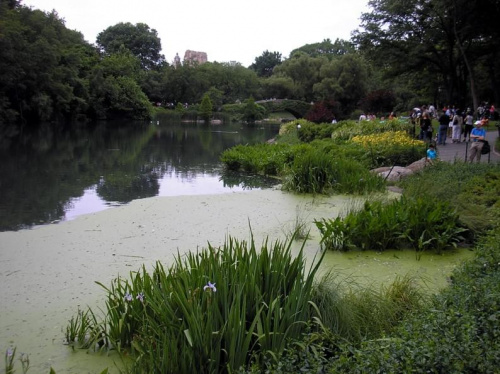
x=323, y=111
x=326, y=49
x=205, y=109
x=345, y=80
x=444, y=39
x=43, y=67
x=252, y=111
x=303, y=70
x=265, y=64
x=139, y=39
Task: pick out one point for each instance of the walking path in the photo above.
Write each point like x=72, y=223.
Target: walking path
x=452, y=152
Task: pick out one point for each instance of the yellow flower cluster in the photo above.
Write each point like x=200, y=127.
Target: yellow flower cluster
x=400, y=138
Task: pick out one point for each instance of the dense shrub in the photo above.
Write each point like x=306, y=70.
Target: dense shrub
x=268, y=159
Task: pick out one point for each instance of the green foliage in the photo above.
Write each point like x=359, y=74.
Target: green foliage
x=346, y=130
x=317, y=171
x=473, y=189
x=458, y=333
x=310, y=131
x=213, y=311
x=267, y=159
x=10, y=357
x=43, y=68
x=422, y=224
x=327, y=49
x=265, y=63
x=205, y=108
x=252, y=111
x=139, y=39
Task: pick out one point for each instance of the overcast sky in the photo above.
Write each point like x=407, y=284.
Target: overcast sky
x=227, y=30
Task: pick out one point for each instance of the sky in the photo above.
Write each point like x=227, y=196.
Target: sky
x=227, y=30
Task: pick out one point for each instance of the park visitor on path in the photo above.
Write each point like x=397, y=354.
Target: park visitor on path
x=444, y=122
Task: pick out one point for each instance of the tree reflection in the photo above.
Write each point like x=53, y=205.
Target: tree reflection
x=43, y=172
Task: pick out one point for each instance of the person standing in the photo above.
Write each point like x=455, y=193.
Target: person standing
x=469, y=121
x=477, y=134
x=458, y=121
x=426, y=128
x=444, y=121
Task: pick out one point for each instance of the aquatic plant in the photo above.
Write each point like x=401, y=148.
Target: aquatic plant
x=420, y=223
x=214, y=310
x=10, y=356
x=315, y=171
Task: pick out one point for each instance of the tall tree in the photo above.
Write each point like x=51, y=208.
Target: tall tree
x=344, y=80
x=142, y=41
x=441, y=38
x=303, y=70
x=326, y=48
x=265, y=64
x=43, y=67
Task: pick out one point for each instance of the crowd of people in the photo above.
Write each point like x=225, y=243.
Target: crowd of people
x=454, y=124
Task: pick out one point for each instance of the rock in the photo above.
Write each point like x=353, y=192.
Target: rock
x=381, y=169
x=417, y=165
x=396, y=173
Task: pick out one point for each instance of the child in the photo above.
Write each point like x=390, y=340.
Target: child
x=431, y=154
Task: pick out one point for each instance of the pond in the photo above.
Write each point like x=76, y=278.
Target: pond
x=169, y=195
x=54, y=175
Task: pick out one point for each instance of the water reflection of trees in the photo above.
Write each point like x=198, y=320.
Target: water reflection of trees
x=43, y=171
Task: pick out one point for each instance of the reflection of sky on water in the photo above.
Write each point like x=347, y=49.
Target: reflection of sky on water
x=90, y=202
x=202, y=184
x=170, y=185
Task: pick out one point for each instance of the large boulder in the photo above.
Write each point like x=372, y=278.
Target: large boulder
x=396, y=173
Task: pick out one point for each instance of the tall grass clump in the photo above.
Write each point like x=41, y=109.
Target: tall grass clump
x=319, y=172
x=421, y=223
x=213, y=311
x=267, y=159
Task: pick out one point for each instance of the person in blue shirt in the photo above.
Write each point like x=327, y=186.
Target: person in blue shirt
x=477, y=135
x=431, y=154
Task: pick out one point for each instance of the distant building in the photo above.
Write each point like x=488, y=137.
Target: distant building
x=193, y=57
x=177, y=61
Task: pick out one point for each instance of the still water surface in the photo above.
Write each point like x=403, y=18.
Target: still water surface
x=53, y=175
